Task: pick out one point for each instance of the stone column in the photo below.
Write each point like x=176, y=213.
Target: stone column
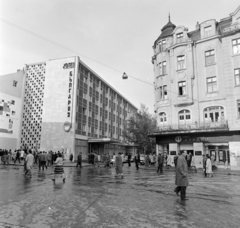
x=217, y=156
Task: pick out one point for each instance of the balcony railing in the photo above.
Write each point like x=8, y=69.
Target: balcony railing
x=191, y=126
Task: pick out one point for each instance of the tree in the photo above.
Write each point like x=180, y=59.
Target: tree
x=138, y=128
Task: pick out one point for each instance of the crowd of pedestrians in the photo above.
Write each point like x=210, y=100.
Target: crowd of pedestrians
x=183, y=163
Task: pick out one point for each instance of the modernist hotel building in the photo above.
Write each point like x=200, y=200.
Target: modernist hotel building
x=62, y=105
x=197, y=90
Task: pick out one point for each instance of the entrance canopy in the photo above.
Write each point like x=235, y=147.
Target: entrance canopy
x=103, y=140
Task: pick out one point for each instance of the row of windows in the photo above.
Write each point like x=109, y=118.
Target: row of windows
x=211, y=85
x=212, y=114
x=209, y=58
x=162, y=43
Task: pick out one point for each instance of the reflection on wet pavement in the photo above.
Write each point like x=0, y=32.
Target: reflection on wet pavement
x=93, y=197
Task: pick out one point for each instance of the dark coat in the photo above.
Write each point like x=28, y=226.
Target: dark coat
x=160, y=159
x=181, y=172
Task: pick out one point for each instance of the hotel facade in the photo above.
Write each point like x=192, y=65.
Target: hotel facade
x=197, y=90
x=66, y=106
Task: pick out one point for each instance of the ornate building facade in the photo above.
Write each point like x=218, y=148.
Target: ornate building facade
x=197, y=90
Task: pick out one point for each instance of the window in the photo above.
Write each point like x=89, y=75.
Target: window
x=179, y=37
x=207, y=31
x=164, y=67
x=209, y=57
x=161, y=92
x=238, y=108
x=184, y=116
x=237, y=76
x=181, y=62
x=236, y=46
x=214, y=114
x=15, y=83
x=160, y=68
x=165, y=92
x=163, y=45
x=212, y=84
x=163, y=117
x=182, y=88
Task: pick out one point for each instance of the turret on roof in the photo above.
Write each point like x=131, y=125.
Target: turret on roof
x=166, y=30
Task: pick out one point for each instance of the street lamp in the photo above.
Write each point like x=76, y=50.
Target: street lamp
x=124, y=76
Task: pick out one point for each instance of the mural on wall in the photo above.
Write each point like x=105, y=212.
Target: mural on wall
x=7, y=116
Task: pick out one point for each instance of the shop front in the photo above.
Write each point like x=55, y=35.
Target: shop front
x=224, y=147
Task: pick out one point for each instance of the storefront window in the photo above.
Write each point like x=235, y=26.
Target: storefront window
x=214, y=114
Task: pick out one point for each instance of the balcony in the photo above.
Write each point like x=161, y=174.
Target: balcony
x=191, y=127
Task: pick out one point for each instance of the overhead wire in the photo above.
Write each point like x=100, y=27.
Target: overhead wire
x=76, y=52
x=66, y=48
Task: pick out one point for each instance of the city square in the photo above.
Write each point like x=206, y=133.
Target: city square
x=94, y=197
x=117, y=114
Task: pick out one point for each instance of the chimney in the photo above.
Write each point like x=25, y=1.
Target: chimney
x=197, y=26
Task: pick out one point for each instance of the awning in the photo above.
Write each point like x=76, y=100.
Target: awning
x=103, y=140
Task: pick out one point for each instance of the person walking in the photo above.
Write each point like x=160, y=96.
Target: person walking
x=189, y=160
x=129, y=159
x=122, y=155
x=58, y=170
x=175, y=160
x=204, y=165
x=22, y=155
x=160, y=160
x=181, y=175
x=4, y=158
x=71, y=157
x=79, y=160
x=209, y=167
x=137, y=160
x=118, y=163
x=108, y=161
x=8, y=157
x=41, y=159
x=35, y=155
x=147, y=160
x=96, y=160
x=49, y=158
x=29, y=163
x=17, y=157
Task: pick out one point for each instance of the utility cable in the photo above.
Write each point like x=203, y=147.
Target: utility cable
x=71, y=50
x=66, y=48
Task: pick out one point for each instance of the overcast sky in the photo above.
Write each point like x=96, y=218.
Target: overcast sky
x=110, y=36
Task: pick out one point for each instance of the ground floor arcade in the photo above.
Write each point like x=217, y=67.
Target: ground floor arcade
x=224, y=146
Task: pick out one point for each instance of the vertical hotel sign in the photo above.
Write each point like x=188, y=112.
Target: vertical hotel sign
x=70, y=67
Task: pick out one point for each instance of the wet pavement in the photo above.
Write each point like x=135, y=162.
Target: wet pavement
x=93, y=197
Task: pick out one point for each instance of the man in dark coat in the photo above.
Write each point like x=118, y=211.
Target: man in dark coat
x=160, y=160
x=181, y=175
x=129, y=159
x=79, y=160
x=137, y=160
x=204, y=165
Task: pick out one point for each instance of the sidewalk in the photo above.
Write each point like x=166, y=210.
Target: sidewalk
x=220, y=171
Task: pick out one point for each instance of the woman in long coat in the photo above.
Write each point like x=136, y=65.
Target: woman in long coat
x=118, y=164
x=209, y=167
x=181, y=175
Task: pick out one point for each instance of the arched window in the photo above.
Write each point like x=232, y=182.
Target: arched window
x=184, y=116
x=213, y=114
x=163, y=117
